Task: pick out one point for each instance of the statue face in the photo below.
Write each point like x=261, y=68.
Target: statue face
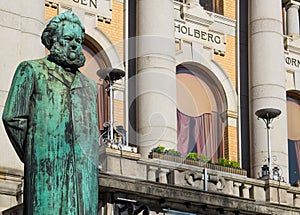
x=67, y=49
x=70, y=40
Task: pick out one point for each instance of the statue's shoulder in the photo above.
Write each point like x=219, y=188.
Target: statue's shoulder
x=87, y=80
x=36, y=63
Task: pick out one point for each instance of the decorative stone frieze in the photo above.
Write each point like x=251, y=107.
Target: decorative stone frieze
x=192, y=23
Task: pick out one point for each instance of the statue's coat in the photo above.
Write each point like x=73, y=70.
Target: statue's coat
x=51, y=120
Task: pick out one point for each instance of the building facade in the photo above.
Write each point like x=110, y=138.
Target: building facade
x=208, y=84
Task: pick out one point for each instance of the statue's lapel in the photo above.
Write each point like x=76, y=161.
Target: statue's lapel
x=78, y=82
x=59, y=73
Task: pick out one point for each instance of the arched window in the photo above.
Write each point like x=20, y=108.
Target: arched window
x=96, y=59
x=199, y=106
x=215, y=6
x=293, y=115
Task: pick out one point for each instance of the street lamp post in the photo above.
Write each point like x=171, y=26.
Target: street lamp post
x=111, y=75
x=267, y=115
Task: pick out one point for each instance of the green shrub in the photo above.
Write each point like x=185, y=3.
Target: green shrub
x=223, y=162
x=227, y=163
x=235, y=164
x=159, y=149
x=173, y=152
x=192, y=156
x=205, y=159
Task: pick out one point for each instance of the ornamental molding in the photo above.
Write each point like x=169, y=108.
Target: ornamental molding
x=292, y=43
x=196, y=14
x=194, y=24
x=292, y=52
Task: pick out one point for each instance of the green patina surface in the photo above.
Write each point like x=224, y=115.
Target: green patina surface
x=50, y=117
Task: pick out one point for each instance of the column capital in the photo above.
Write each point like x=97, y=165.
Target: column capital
x=291, y=4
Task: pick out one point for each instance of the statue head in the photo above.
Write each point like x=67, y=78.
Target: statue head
x=63, y=37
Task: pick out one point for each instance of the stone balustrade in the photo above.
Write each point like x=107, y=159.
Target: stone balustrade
x=199, y=178
x=165, y=184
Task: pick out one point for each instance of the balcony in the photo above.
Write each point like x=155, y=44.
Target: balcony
x=161, y=185
x=128, y=182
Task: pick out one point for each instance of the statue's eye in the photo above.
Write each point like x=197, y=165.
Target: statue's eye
x=68, y=38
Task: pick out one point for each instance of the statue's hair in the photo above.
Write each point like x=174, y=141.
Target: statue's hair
x=48, y=36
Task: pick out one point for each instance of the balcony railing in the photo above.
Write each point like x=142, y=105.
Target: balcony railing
x=201, y=178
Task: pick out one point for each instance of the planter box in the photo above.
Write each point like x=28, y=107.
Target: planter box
x=172, y=158
x=197, y=163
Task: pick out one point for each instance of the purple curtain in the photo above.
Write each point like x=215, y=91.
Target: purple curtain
x=183, y=132
x=206, y=135
x=200, y=133
x=102, y=104
x=205, y=132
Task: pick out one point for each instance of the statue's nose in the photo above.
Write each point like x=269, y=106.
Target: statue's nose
x=73, y=45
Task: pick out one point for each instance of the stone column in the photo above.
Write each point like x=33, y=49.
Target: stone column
x=21, y=24
x=292, y=19
x=267, y=84
x=156, y=76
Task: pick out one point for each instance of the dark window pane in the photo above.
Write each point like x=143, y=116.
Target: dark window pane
x=207, y=4
x=293, y=161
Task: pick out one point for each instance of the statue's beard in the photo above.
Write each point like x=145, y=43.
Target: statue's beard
x=60, y=56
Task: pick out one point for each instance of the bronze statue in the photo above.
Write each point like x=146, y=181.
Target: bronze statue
x=50, y=117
